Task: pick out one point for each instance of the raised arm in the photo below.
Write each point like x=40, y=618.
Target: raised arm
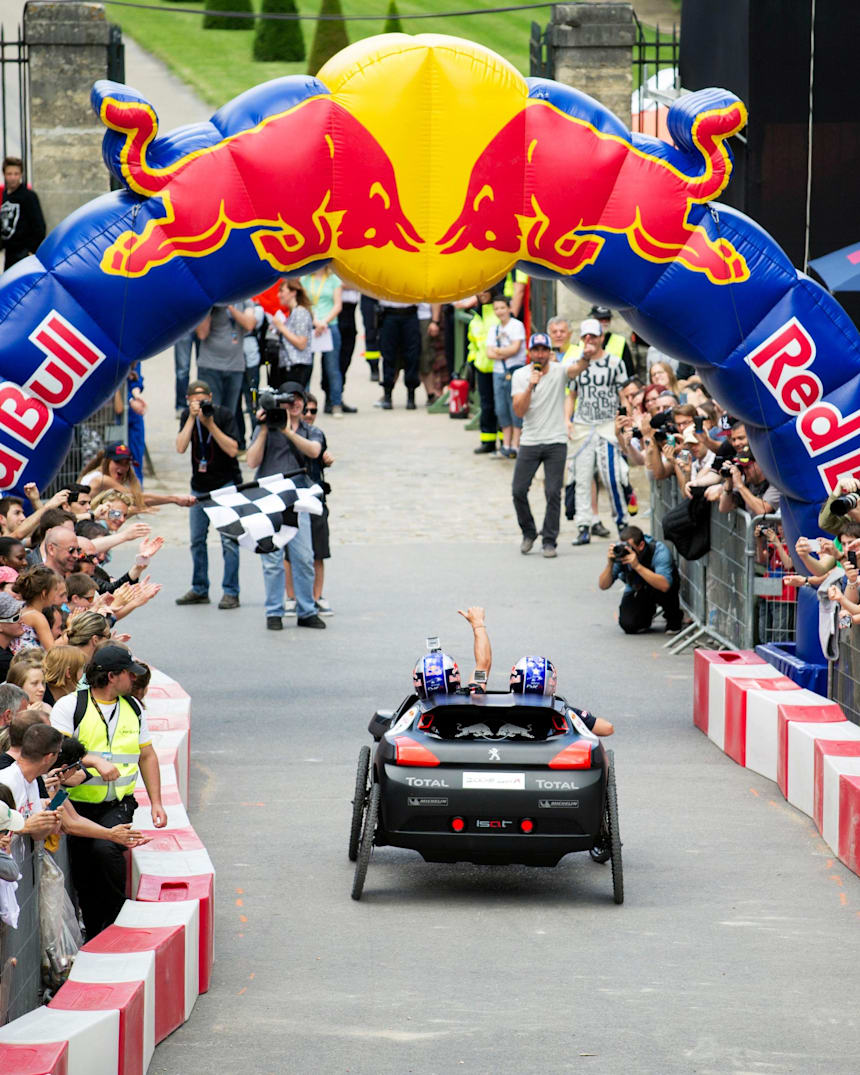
x=483, y=650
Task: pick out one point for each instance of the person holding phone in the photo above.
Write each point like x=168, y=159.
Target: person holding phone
x=538, y=398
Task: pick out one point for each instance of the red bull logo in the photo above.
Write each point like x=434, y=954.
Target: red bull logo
x=608, y=187
x=340, y=193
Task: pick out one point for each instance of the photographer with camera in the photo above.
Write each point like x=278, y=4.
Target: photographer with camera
x=840, y=513
x=645, y=566
x=283, y=444
x=745, y=486
x=211, y=432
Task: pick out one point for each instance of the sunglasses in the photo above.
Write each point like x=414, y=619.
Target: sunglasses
x=311, y=410
x=10, y=619
x=88, y=558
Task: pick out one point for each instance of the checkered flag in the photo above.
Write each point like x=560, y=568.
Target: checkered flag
x=261, y=515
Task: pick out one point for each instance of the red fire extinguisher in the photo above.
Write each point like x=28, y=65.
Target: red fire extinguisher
x=458, y=398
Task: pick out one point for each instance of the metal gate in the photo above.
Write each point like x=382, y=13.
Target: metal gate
x=14, y=99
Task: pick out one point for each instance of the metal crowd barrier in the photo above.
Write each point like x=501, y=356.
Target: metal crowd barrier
x=733, y=602
x=844, y=675
x=21, y=948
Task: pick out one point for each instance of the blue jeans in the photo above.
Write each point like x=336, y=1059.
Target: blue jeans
x=182, y=366
x=199, y=523
x=226, y=386
x=503, y=401
x=333, y=373
x=302, y=563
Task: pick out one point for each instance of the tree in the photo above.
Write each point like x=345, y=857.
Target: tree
x=393, y=24
x=224, y=22
x=329, y=37
x=279, y=39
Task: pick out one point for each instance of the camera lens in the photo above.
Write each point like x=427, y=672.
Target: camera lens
x=845, y=503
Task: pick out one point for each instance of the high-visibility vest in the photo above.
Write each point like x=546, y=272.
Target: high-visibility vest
x=123, y=749
x=479, y=326
x=516, y=276
x=615, y=344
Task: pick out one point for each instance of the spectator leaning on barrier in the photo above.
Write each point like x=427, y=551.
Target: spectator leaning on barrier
x=745, y=486
x=210, y=430
x=108, y=722
x=282, y=444
x=650, y=579
x=38, y=753
x=538, y=398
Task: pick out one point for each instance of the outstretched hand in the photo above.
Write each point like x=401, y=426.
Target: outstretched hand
x=474, y=614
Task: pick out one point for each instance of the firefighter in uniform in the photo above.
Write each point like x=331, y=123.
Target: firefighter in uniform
x=481, y=321
x=109, y=722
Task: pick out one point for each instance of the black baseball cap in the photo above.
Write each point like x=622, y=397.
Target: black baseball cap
x=295, y=388
x=602, y=313
x=118, y=451
x=116, y=659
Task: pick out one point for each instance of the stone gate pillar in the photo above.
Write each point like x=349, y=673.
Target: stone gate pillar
x=68, y=49
x=591, y=45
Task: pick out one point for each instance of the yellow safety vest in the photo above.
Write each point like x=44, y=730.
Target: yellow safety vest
x=615, y=344
x=515, y=277
x=123, y=750
x=479, y=326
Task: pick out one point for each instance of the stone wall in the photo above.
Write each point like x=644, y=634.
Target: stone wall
x=592, y=50
x=68, y=46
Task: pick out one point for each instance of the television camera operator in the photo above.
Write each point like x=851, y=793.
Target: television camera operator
x=650, y=581
x=283, y=443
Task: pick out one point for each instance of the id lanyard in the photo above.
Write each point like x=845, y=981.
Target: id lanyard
x=203, y=462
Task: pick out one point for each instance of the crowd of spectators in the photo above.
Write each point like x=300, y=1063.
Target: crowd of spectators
x=73, y=731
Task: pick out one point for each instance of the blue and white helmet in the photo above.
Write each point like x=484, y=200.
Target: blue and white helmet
x=534, y=675
x=435, y=673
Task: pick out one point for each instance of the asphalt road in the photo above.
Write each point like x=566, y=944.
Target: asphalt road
x=735, y=949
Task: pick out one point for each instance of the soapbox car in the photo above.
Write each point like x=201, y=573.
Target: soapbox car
x=492, y=778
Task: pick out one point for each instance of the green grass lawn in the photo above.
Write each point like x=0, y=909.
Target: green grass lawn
x=218, y=63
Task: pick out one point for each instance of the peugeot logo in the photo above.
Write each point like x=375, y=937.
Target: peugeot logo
x=494, y=754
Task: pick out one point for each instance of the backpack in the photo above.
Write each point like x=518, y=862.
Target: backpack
x=688, y=527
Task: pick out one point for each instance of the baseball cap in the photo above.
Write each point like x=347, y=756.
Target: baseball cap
x=198, y=386
x=8, y=574
x=602, y=313
x=590, y=327
x=295, y=387
x=10, y=819
x=116, y=659
x=539, y=339
x=118, y=451
x=10, y=608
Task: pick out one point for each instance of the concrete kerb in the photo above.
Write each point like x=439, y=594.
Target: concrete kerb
x=137, y=981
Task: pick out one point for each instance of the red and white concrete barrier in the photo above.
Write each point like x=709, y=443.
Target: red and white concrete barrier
x=795, y=737
x=138, y=980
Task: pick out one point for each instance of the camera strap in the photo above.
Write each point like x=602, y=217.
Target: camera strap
x=204, y=453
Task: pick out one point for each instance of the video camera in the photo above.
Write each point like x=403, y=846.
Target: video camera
x=271, y=403
x=664, y=428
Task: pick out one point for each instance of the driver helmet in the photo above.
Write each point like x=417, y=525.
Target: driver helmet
x=435, y=673
x=534, y=675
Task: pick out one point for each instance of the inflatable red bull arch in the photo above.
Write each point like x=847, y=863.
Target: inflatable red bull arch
x=426, y=168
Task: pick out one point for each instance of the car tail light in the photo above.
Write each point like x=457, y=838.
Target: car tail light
x=527, y=825
x=575, y=756
x=458, y=824
x=559, y=723
x=409, y=752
